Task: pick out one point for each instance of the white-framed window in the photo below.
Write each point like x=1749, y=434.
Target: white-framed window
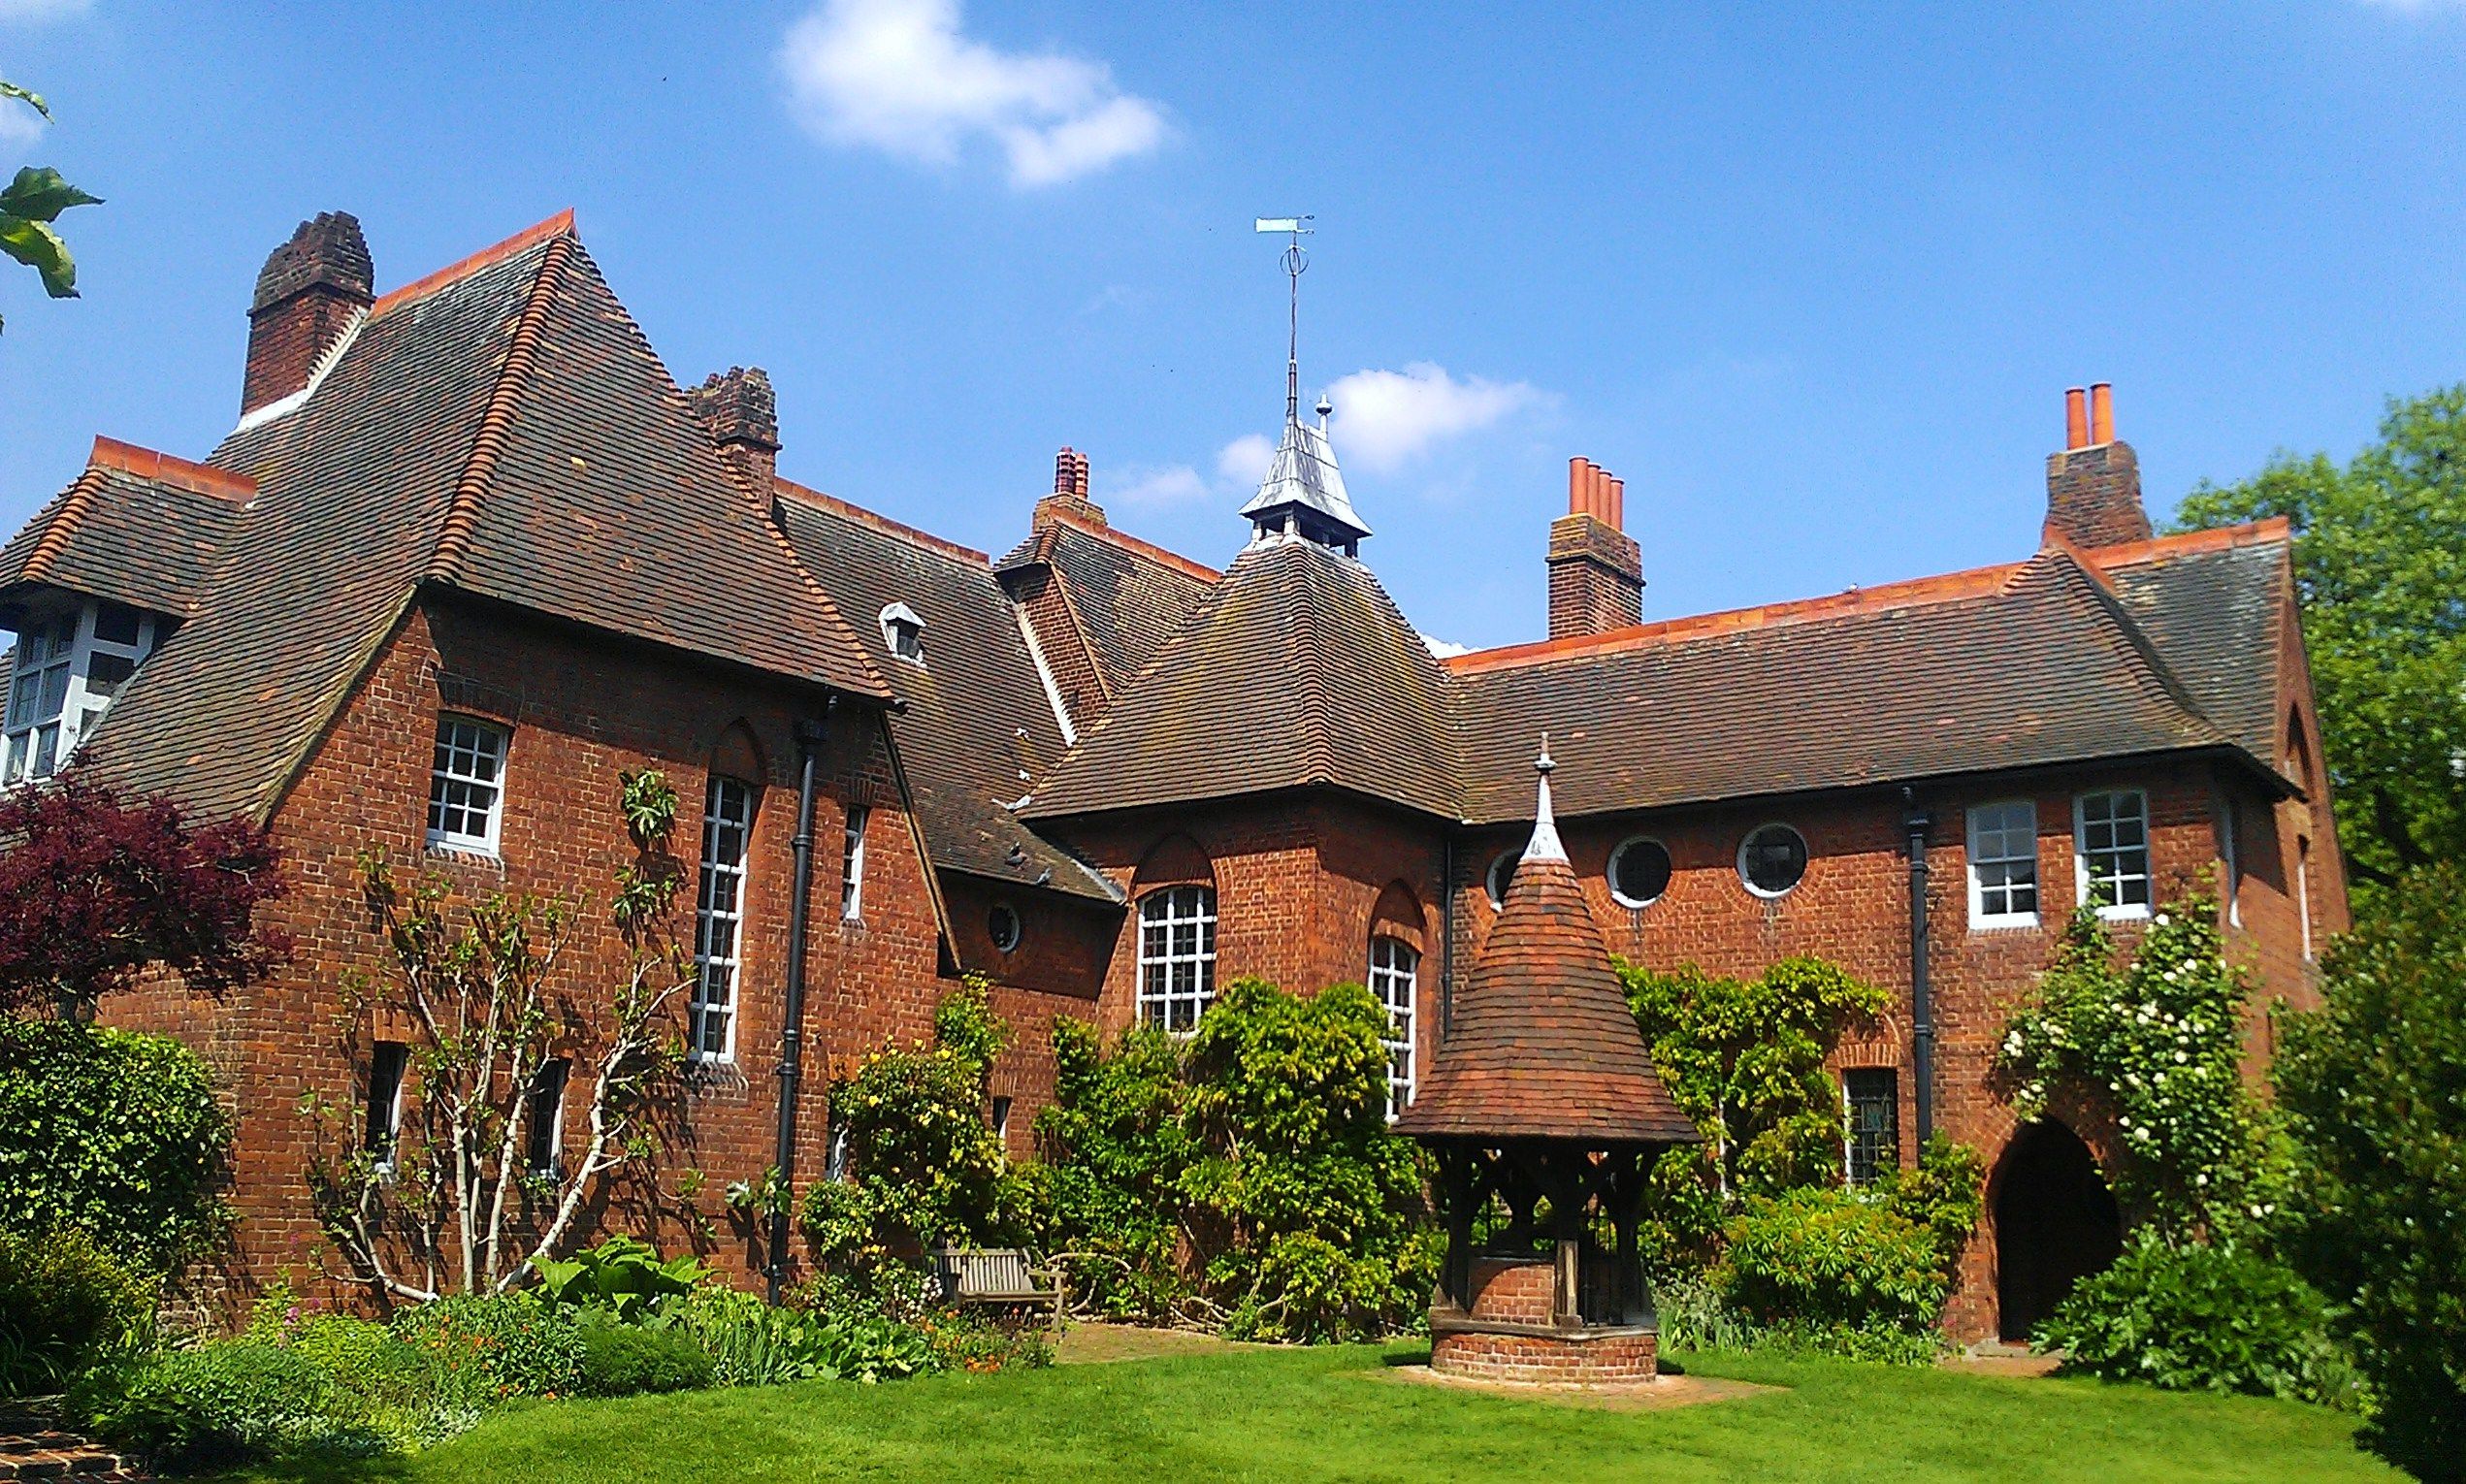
x=852, y=863
x=1177, y=956
x=2110, y=851
x=1772, y=859
x=2003, y=864
x=903, y=633
x=1638, y=872
x=547, y=1115
x=69, y=668
x=466, y=785
x=719, y=918
x=1395, y=970
x=388, y=1062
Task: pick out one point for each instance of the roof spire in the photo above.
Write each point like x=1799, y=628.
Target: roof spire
x=1303, y=494
x=1546, y=844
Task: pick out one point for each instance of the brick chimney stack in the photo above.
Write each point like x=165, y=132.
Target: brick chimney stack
x=2093, y=486
x=307, y=294
x=1070, y=492
x=1597, y=570
x=742, y=413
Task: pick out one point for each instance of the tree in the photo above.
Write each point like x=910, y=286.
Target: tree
x=479, y=987
x=2380, y=556
x=2374, y=1086
x=96, y=888
x=31, y=204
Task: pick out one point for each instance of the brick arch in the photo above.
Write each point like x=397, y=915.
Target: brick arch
x=1398, y=914
x=1176, y=860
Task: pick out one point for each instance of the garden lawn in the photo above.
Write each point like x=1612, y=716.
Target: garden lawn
x=1335, y=1414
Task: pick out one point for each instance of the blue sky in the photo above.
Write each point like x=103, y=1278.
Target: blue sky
x=1811, y=279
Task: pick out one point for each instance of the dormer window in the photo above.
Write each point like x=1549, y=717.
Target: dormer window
x=903, y=633
x=70, y=666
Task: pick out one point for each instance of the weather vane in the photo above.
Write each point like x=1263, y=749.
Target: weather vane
x=1296, y=263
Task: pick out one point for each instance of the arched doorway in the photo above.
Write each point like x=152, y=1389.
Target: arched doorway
x=2056, y=1224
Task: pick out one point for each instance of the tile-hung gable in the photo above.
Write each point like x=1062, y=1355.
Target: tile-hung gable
x=500, y=430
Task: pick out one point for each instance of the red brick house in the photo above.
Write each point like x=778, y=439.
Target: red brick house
x=470, y=552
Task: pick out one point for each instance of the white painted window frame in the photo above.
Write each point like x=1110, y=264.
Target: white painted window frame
x=2084, y=879
x=443, y=776
x=1395, y=980
x=1176, y=956
x=719, y=919
x=1980, y=857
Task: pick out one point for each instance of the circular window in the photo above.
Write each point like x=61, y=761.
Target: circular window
x=1638, y=872
x=1772, y=859
x=1501, y=872
x=1002, y=925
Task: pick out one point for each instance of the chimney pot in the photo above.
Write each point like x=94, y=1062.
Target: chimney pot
x=306, y=296
x=2102, y=413
x=2076, y=417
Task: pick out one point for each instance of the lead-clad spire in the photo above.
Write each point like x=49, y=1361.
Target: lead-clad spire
x=1303, y=496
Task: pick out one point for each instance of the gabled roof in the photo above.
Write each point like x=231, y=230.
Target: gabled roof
x=500, y=429
x=1540, y=1044
x=2035, y=664
x=1129, y=595
x=137, y=527
x=978, y=725
x=1294, y=671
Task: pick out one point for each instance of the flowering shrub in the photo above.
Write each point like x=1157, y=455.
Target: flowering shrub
x=2160, y=1041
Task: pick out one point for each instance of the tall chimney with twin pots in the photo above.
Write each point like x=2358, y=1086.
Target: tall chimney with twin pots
x=1597, y=570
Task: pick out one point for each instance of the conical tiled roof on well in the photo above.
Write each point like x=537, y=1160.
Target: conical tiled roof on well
x=1542, y=1046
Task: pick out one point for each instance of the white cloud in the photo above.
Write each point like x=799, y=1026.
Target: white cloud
x=1245, y=460
x=1174, y=484
x=1388, y=418
x=898, y=76
x=42, y=10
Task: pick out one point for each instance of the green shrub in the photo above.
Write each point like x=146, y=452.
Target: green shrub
x=524, y=1345
x=626, y=1360
x=2374, y=1086
x=1819, y=1259
x=112, y=1132
x=2201, y=1319
x=64, y=1306
x=623, y=1275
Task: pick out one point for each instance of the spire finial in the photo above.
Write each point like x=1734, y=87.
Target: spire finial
x=1546, y=844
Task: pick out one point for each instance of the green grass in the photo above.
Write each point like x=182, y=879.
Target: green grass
x=1335, y=1414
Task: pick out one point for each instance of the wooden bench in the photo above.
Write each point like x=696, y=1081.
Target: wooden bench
x=997, y=1278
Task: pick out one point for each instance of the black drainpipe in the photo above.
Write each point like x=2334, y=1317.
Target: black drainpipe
x=1921, y=1002
x=810, y=735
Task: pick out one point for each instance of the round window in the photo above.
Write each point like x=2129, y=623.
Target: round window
x=1002, y=925
x=1772, y=859
x=1501, y=872
x=1639, y=873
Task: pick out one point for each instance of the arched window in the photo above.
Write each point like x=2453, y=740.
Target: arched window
x=1395, y=972
x=1177, y=956
x=719, y=918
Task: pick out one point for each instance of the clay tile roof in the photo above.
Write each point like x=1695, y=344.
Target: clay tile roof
x=1294, y=671
x=138, y=527
x=978, y=723
x=2035, y=665
x=499, y=427
x=1130, y=596
x=1542, y=1045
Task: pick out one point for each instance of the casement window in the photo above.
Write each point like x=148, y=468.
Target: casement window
x=903, y=633
x=69, y=669
x=1772, y=859
x=1177, y=956
x=2110, y=833
x=466, y=785
x=719, y=918
x=1871, y=1098
x=1638, y=872
x=389, y=1061
x=852, y=865
x=2003, y=864
x=547, y=1115
x=1395, y=972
